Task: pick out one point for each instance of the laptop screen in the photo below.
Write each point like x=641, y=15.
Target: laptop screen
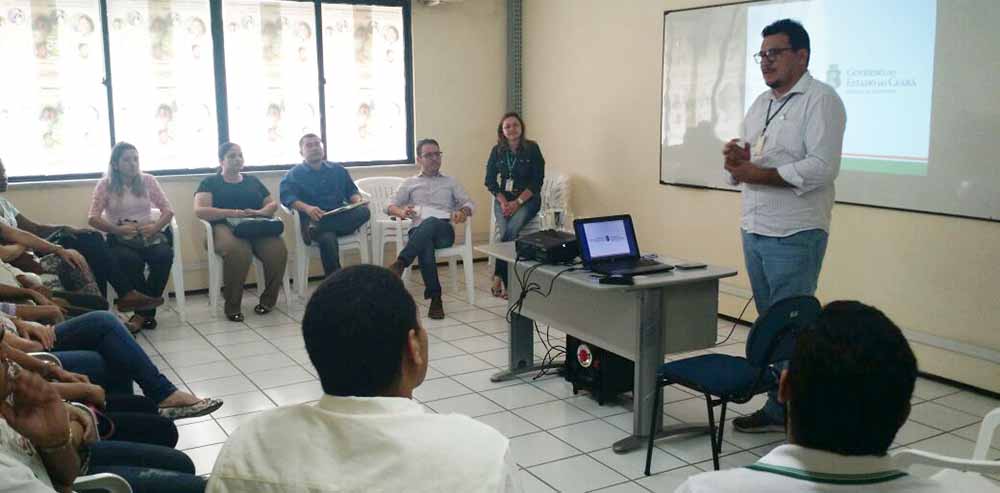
x=606, y=238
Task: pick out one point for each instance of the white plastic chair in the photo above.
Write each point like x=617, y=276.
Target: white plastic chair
x=979, y=464
x=357, y=241
x=452, y=253
x=555, y=198
x=379, y=190
x=176, y=270
x=215, y=272
x=111, y=483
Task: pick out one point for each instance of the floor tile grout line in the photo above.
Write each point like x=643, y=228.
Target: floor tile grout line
x=736, y=449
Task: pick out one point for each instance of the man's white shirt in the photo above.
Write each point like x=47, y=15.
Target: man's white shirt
x=803, y=142
x=361, y=444
x=795, y=469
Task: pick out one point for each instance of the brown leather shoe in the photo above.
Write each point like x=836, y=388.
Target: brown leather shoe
x=436, y=311
x=135, y=300
x=397, y=268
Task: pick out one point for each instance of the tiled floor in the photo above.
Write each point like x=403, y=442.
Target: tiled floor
x=561, y=441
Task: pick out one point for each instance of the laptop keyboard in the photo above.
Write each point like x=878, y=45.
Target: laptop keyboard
x=627, y=264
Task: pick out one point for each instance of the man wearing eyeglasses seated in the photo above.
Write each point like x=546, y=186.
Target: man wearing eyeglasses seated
x=434, y=202
x=785, y=163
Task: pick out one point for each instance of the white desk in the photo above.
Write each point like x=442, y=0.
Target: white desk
x=661, y=313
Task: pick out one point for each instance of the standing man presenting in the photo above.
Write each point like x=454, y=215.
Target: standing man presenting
x=315, y=187
x=786, y=162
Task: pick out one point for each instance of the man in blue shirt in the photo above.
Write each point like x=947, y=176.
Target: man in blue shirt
x=315, y=187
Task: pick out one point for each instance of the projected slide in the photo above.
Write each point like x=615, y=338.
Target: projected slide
x=606, y=239
x=917, y=78
x=884, y=75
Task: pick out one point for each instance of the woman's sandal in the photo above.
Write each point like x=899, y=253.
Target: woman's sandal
x=262, y=310
x=235, y=317
x=200, y=408
x=497, y=288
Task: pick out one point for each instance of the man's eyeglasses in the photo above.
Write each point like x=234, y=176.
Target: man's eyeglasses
x=429, y=155
x=771, y=54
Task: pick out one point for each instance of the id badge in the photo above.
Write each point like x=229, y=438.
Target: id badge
x=508, y=185
x=758, y=148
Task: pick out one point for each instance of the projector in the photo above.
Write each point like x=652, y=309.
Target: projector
x=548, y=247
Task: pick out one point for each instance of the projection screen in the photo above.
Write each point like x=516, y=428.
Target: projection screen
x=920, y=80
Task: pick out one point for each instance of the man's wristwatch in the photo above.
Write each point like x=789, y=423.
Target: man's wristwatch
x=520, y=201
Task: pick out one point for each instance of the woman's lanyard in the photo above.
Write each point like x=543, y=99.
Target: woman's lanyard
x=510, y=159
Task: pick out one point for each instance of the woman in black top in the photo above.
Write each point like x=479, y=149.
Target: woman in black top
x=231, y=194
x=515, y=171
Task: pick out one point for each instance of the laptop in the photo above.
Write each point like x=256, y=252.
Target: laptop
x=608, y=246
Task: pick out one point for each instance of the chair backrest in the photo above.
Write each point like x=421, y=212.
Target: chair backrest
x=986, y=431
x=772, y=337
x=379, y=190
x=555, y=192
x=978, y=464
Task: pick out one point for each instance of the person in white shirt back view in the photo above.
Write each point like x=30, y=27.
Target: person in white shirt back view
x=365, y=434
x=847, y=390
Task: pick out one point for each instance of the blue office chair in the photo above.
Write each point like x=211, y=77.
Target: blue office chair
x=724, y=379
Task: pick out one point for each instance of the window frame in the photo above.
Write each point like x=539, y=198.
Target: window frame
x=221, y=96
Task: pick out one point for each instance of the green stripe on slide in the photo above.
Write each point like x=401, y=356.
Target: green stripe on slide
x=888, y=167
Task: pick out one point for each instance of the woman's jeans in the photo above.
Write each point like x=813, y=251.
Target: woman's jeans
x=510, y=227
x=104, y=333
x=147, y=468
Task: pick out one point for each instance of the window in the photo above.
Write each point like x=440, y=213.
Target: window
x=163, y=76
x=53, y=105
x=271, y=77
x=335, y=68
x=365, y=83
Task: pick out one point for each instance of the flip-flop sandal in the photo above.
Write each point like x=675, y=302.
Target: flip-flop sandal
x=262, y=310
x=497, y=288
x=200, y=408
x=235, y=317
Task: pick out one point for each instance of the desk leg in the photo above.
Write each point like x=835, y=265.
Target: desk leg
x=522, y=350
x=650, y=357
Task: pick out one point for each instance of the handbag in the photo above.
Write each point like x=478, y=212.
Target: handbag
x=250, y=228
x=139, y=241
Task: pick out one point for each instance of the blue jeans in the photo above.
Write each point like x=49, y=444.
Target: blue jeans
x=104, y=333
x=91, y=364
x=510, y=227
x=431, y=234
x=780, y=268
x=147, y=468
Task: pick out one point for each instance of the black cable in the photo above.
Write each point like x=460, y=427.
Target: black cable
x=552, y=351
x=738, y=318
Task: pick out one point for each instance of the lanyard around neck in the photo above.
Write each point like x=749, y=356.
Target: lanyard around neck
x=510, y=159
x=769, y=116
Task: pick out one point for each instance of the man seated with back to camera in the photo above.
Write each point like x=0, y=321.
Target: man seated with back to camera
x=366, y=433
x=847, y=391
x=434, y=202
